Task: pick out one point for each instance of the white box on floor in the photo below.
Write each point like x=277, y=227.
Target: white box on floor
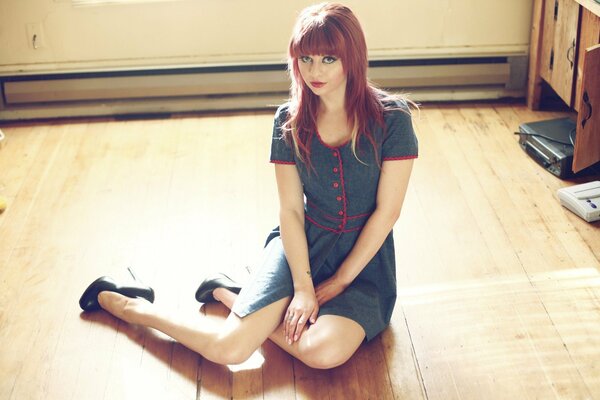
x=583, y=200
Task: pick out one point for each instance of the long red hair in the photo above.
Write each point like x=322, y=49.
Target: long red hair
x=331, y=29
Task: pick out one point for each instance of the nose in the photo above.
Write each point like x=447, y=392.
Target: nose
x=316, y=69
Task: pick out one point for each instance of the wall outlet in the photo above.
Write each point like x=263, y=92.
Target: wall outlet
x=35, y=36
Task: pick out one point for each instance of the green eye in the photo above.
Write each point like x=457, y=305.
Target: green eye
x=305, y=59
x=329, y=59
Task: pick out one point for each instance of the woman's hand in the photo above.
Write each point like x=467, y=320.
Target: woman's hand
x=303, y=308
x=329, y=288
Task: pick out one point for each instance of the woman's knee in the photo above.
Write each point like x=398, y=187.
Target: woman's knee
x=330, y=342
x=325, y=354
x=229, y=351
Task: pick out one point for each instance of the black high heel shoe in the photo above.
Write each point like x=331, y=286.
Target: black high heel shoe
x=89, y=298
x=204, y=294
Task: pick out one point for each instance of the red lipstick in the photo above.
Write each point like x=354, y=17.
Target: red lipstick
x=317, y=84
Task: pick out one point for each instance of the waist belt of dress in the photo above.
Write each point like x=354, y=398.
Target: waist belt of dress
x=335, y=223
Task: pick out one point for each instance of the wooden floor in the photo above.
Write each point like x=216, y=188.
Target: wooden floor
x=499, y=286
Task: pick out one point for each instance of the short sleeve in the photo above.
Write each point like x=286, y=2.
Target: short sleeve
x=400, y=141
x=281, y=152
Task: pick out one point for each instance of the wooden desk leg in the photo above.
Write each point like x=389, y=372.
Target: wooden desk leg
x=534, y=85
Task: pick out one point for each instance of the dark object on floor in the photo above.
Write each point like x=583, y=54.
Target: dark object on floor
x=550, y=143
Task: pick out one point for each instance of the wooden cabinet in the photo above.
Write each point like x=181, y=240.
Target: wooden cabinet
x=565, y=53
x=560, y=25
x=589, y=37
x=587, y=142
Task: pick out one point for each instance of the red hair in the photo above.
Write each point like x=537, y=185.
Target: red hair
x=331, y=29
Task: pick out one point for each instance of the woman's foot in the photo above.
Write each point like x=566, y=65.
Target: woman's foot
x=128, y=309
x=225, y=296
x=206, y=290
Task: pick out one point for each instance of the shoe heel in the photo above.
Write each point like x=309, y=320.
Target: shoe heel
x=135, y=278
x=142, y=290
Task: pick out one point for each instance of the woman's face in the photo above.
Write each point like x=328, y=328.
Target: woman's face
x=323, y=74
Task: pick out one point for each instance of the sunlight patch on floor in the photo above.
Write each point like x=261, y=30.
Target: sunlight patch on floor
x=255, y=361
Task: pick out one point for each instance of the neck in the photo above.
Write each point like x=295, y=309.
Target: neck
x=330, y=105
x=333, y=102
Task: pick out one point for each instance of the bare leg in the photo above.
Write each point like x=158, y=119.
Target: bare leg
x=327, y=343
x=229, y=342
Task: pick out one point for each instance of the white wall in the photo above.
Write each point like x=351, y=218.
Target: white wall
x=200, y=32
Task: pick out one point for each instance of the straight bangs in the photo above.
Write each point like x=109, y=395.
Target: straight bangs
x=318, y=39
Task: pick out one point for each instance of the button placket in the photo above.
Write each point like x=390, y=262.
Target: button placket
x=338, y=170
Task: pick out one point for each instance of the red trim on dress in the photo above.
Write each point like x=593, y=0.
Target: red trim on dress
x=283, y=162
x=323, y=213
x=400, y=158
x=331, y=217
x=312, y=221
x=319, y=225
x=359, y=216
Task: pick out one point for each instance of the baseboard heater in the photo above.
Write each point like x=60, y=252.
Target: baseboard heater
x=174, y=90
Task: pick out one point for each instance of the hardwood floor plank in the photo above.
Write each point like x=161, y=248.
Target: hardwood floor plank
x=25, y=193
x=25, y=145
x=277, y=373
x=247, y=384
x=344, y=382
x=486, y=335
x=403, y=368
x=486, y=218
x=457, y=235
x=312, y=383
x=372, y=371
x=216, y=382
x=572, y=301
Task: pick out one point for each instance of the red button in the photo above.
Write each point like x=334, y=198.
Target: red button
x=340, y=213
x=336, y=185
x=340, y=226
x=335, y=153
x=339, y=198
x=335, y=170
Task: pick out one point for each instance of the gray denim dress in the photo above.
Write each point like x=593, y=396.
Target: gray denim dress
x=340, y=193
